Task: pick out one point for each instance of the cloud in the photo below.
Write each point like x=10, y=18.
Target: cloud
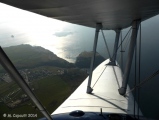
x=62, y=34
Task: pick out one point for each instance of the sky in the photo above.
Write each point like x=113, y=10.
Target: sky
x=22, y=27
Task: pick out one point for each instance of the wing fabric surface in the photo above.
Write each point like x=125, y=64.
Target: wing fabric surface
x=105, y=84
x=112, y=14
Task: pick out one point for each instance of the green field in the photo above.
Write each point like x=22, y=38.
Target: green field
x=51, y=78
x=51, y=91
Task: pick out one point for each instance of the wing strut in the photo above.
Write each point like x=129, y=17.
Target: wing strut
x=14, y=74
x=116, y=45
x=98, y=27
x=135, y=27
x=113, y=59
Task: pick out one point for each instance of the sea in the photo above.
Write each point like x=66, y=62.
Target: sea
x=71, y=44
x=149, y=60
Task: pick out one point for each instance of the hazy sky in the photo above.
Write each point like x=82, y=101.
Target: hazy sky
x=23, y=27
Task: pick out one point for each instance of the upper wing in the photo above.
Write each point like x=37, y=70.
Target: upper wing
x=112, y=14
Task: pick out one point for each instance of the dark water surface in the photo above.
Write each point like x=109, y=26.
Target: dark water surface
x=149, y=92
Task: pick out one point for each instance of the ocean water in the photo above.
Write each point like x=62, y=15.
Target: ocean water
x=149, y=92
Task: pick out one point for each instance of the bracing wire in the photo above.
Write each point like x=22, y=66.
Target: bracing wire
x=124, y=38
x=121, y=50
x=139, y=69
x=109, y=57
x=123, y=41
x=139, y=84
x=144, y=81
x=106, y=44
x=135, y=77
x=126, y=44
x=99, y=77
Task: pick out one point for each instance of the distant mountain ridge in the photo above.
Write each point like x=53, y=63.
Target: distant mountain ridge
x=27, y=56
x=84, y=59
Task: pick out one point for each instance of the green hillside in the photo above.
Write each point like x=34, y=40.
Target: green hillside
x=84, y=59
x=27, y=56
x=51, y=78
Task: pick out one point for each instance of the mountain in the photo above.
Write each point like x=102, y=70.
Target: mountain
x=27, y=56
x=45, y=72
x=84, y=59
